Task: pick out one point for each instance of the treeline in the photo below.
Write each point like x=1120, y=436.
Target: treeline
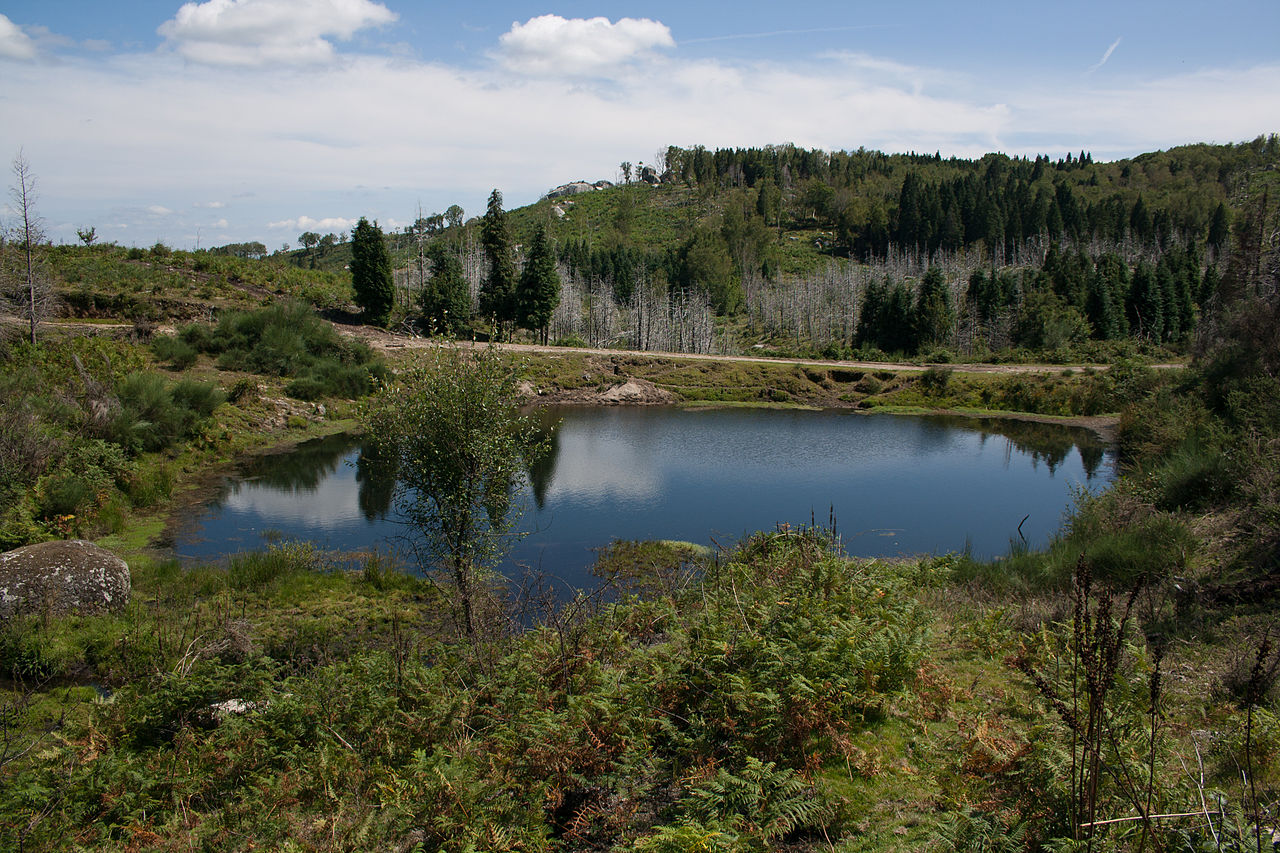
x=827, y=252
x=872, y=201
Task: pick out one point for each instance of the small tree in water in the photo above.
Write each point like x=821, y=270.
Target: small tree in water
x=461, y=450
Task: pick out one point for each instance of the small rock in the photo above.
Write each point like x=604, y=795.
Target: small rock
x=59, y=578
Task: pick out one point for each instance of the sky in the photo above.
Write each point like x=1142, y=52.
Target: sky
x=205, y=123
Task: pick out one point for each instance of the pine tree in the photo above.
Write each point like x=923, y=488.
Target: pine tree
x=1140, y=224
x=933, y=316
x=497, y=292
x=1219, y=228
x=1144, y=309
x=446, y=304
x=871, y=317
x=538, y=292
x=371, y=273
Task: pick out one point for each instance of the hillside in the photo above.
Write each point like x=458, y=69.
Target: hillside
x=811, y=252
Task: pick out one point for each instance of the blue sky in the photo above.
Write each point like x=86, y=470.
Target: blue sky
x=233, y=120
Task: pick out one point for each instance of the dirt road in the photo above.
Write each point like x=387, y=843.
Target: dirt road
x=390, y=342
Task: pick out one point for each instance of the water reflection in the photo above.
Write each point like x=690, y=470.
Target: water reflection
x=1045, y=443
x=376, y=478
x=542, y=470
x=896, y=483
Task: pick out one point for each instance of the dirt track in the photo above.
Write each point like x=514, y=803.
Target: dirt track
x=386, y=341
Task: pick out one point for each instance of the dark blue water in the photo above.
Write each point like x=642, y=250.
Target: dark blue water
x=895, y=485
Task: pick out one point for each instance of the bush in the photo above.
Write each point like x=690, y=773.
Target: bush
x=935, y=380
x=178, y=353
x=64, y=495
x=244, y=390
x=1194, y=478
x=288, y=339
x=150, y=487
x=154, y=414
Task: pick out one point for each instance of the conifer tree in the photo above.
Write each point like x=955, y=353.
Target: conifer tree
x=871, y=317
x=1219, y=228
x=498, y=291
x=371, y=273
x=1144, y=309
x=538, y=292
x=897, y=333
x=446, y=304
x=933, y=316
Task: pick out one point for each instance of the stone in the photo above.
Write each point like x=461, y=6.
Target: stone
x=61, y=578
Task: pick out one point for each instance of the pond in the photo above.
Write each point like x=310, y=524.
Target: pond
x=894, y=484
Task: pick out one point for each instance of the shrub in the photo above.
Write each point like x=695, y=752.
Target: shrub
x=153, y=413
x=935, y=380
x=149, y=487
x=1194, y=478
x=178, y=353
x=870, y=385
x=64, y=495
x=288, y=339
x=244, y=390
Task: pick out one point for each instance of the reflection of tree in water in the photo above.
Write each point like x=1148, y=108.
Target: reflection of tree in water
x=542, y=469
x=376, y=476
x=1046, y=443
x=301, y=469
x=298, y=470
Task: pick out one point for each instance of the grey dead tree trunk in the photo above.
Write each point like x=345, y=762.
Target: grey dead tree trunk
x=34, y=294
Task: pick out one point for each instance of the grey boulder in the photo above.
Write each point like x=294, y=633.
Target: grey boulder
x=60, y=578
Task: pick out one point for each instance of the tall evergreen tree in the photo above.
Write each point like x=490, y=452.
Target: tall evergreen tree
x=1219, y=228
x=897, y=329
x=933, y=316
x=498, y=291
x=371, y=273
x=1140, y=223
x=1144, y=308
x=871, y=316
x=1108, y=289
x=538, y=292
x=446, y=304
x=705, y=265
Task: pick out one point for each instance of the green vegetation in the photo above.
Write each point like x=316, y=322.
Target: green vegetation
x=638, y=723
x=93, y=437
x=286, y=339
x=104, y=280
x=497, y=302
x=371, y=273
x=451, y=433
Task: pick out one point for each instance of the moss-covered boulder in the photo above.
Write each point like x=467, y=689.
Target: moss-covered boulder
x=60, y=578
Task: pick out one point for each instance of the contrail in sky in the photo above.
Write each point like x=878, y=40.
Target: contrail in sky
x=784, y=33
x=1105, y=57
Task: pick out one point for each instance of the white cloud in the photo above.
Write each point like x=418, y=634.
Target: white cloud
x=550, y=44
x=221, y=223
x=159, y=210
x=114, y=134
x=267, y=32
x=1103, y=61
x=14, y=43
x=306, y=223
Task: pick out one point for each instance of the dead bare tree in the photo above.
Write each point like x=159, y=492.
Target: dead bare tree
x=33, y=293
